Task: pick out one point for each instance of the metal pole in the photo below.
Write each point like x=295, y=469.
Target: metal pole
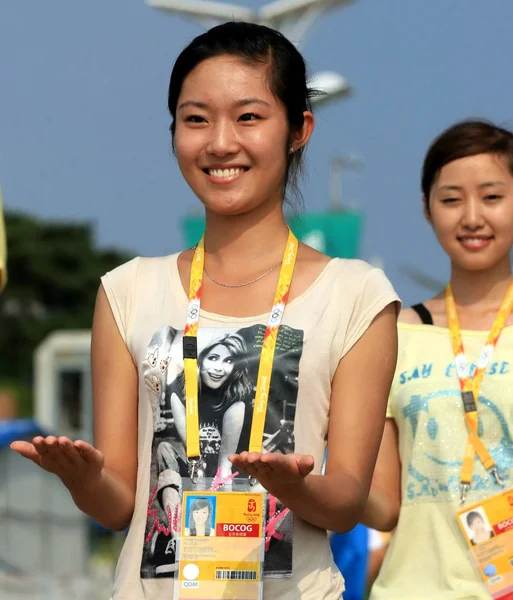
x=338, y=164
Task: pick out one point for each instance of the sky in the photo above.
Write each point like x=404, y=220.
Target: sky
x=84, y=128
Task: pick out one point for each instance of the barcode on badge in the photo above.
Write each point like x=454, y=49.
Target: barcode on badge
x=226, y=575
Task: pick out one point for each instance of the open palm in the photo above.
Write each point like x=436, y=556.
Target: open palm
x=274, y=470
x=74, y=462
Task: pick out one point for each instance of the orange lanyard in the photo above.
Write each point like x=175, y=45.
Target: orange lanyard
x=470, y=386
x=190, y=354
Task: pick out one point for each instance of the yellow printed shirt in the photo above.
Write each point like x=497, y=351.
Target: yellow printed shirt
x=428, y=558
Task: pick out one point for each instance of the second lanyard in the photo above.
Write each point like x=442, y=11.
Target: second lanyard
x=470, y=386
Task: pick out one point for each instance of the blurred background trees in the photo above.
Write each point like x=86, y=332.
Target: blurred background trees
x=54, y=271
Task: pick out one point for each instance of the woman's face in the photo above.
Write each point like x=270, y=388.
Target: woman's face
x=231, y=136
x=216, y=367
x=477, y=525
x=471, y=205
x=200, y=516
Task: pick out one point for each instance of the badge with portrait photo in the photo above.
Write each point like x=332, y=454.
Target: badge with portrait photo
x=221, y=546
x=488, y=530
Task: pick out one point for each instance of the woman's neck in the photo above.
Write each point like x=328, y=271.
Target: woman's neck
x=235, y=242
x=481, y=291
x=200, y=529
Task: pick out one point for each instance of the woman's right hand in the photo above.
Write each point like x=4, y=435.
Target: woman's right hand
x=77, y=464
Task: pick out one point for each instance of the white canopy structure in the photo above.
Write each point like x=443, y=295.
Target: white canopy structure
x=293, y=18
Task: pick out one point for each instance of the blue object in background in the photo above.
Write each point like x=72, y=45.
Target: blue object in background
x=18, y=429
x=351, y=552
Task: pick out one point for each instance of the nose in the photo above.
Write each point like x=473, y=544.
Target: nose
x=223, y=139
x=473, y=214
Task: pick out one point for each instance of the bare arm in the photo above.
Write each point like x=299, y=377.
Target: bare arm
x=384, y=503
x=101, y=479
x=110, y=498
x=336, y=501
x=233, y=421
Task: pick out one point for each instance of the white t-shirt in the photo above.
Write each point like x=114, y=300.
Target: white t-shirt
x=318, y=328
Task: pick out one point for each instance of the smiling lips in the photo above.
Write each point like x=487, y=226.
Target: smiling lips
x=475, y=242
x=215, y=376
x=226, y=175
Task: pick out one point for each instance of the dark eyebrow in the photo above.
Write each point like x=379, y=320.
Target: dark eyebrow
x=205, y=106
x=457, y=188
x=491, y=184
x=450, y=188
x=247, y=101
x=201, y=105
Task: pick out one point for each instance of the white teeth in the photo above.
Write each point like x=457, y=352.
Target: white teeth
x=225, y=173
x=473, y=241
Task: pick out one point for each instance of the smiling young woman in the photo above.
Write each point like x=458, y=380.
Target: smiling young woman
x=164, y=334
x=421, y=479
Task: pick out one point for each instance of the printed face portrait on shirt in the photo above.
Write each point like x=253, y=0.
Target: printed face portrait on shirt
x=227, y=363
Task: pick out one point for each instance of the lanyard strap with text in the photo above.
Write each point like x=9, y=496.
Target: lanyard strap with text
x=190, y=353
x=470, y=386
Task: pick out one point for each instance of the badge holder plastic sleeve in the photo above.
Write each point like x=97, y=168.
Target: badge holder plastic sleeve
x=229, y=561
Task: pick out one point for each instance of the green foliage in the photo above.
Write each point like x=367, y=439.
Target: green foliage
x=54, y=270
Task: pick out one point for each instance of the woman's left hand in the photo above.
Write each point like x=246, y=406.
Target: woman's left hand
x=276, y=472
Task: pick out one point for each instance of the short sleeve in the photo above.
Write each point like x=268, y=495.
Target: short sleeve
x=375, y=293
x=120, y=285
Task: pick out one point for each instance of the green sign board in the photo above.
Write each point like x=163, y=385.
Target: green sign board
x=336, y=233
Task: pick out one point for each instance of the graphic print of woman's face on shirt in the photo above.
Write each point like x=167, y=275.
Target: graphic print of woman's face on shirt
x=216, y=367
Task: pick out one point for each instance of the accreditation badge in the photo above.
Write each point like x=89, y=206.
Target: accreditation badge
x=221, y=546
x=488, y=530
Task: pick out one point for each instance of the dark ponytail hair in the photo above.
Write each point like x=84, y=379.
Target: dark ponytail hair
x=287, y=75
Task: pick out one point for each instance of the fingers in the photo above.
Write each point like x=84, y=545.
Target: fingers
x=281, y=465
x=69, y=451
x=241, y=462
x=40, y=445
x=306, y=465
x=63, y=457
x=89, y=453
x=258, y=466
x=285, y=465
x=274, y=465
x=71, y=461
x=57, y=450
x=27, y=450
x=252, y=464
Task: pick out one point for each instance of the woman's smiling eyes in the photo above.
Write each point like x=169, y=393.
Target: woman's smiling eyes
x=244, y=118
x=249, y=117
x=489, y=197
x=216, y=357
x=195, y=119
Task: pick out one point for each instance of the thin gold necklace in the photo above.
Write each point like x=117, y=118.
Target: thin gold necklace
x=239, y=285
